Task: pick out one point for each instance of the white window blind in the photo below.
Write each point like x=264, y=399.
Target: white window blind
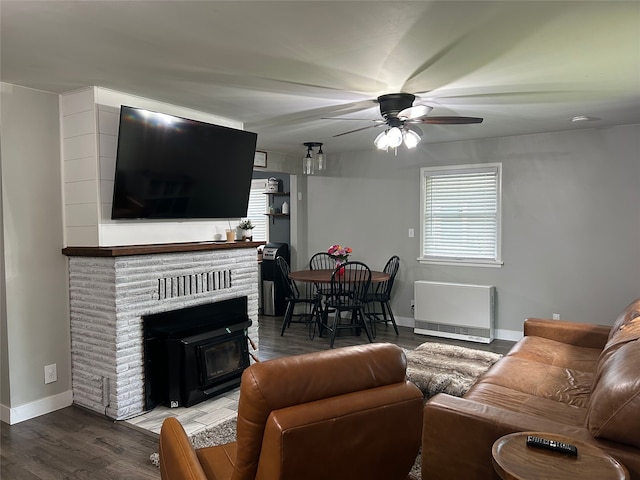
x=461, y=213
x=258, y=203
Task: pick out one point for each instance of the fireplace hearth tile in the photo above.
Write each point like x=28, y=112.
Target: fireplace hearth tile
x=204, y=415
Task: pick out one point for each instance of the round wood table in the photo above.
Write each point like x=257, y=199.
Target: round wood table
x=324, y=276
x=513, y=459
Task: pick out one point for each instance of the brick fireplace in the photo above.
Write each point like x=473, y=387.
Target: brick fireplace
x=112, y=288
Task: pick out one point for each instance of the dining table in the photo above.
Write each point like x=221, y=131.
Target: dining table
x=324, y=276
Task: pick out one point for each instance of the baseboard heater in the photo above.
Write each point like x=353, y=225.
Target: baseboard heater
x=453, y=310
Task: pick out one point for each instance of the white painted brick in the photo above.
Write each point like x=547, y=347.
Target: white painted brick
x=109, y=296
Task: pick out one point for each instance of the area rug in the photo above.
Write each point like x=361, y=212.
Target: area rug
x=441, y=368
x=220, y=434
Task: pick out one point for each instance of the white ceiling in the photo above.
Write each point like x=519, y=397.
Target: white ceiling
x=280, y=67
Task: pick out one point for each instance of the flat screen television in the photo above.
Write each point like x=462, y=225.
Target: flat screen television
x=169, y=167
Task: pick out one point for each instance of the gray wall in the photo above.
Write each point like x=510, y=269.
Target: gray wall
x=571, y=220
x=279, y=227
x=36, y=316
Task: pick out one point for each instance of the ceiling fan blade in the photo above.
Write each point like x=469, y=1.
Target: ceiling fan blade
x=357, y=130
x=449, y=120
x=377, y=120
x=415, y=112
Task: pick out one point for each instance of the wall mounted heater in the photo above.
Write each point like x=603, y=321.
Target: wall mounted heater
x=452, y=310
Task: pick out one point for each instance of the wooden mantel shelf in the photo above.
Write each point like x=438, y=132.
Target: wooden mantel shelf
x=124, y=250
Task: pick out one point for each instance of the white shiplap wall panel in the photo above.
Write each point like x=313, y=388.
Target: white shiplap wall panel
x=77, y=101
x=80, y=169
x=81, y=192
x=81, y=215
x=108, y=121
x=80, y=123
x=107, y=168
x=90, y=135
x=80, y=146
x=108, y=145
x=106, y=194
x=82, y=236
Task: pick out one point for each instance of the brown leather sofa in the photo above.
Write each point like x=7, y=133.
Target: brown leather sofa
x=574, y=379
x=342, y=414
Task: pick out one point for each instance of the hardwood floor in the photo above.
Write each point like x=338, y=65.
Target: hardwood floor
x=73, y=443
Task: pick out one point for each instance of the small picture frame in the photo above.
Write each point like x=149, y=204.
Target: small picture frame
x=260, y=159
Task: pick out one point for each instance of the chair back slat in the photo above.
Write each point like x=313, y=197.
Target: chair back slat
x=290, y=287
x=322, y=261
x=350, y=283
x=392, y=266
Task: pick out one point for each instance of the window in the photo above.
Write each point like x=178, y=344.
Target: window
x=257, y=208
x=460, y=214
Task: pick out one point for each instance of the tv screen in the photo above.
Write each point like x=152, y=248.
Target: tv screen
x=169, y=167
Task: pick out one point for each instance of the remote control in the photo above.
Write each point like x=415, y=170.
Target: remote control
x=553, y=445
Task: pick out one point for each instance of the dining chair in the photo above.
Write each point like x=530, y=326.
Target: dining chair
x=293, y=298
x=349, y=285
x=322, y=261
x=381, y=294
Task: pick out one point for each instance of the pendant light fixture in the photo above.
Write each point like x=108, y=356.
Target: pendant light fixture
x=311, y=164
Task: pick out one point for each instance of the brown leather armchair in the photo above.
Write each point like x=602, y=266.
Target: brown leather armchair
x=341, y=414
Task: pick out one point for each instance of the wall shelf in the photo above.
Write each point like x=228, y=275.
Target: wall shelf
x=276, y=215
x=277, y=194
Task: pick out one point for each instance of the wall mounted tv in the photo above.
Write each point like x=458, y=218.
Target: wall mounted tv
x=169, y=167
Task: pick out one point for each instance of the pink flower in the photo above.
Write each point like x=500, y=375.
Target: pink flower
x=339, y=251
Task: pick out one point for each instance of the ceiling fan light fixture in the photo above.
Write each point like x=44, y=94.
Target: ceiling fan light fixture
x=381, y=141
x=394, y=137
x=411, y=138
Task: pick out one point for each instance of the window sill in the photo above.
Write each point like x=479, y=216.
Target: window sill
x=462, y=263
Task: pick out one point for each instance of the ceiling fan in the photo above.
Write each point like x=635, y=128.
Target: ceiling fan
x=401, y=116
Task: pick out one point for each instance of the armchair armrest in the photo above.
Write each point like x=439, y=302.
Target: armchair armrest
x=574, y=333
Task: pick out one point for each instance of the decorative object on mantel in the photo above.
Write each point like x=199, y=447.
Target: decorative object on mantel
x=311, y=165
x=339, y=253
x=231, y=234
x=245, y=228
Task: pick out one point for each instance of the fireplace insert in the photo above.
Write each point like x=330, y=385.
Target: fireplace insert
x=195, y=353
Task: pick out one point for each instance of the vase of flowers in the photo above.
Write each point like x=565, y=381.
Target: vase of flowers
x=339, y=253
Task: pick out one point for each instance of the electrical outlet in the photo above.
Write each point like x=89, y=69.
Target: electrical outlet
x=411, y=233
x=556, y=316
x=50, y=373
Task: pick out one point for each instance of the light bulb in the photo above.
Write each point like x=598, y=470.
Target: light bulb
x=411, y=138
x=381, y=141
x=321, y=160
x=394, y=137
x=307, y=164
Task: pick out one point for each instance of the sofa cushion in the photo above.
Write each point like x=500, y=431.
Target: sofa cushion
x=519, y=402
x=558, y=354
x=614, y=407
x=560, y=384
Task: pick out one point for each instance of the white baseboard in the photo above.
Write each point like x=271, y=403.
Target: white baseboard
x=35, y=409
x=499, y=334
